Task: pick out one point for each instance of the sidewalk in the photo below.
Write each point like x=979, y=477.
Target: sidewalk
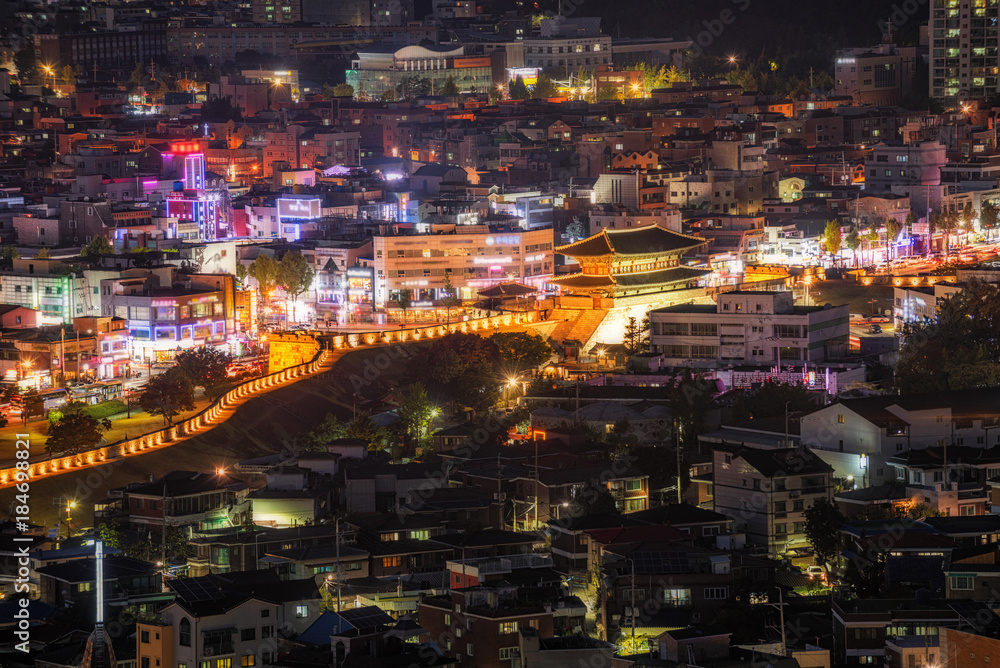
x=121, y=427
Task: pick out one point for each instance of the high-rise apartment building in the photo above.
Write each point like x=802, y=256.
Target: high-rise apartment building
x=964, y=59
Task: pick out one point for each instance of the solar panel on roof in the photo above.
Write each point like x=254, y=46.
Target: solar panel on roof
x=366, y=618
x=195, y=590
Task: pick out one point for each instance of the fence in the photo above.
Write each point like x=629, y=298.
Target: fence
x=486, y=325
x=48, y=466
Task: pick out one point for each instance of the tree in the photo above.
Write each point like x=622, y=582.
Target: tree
x=405, y=300
x=853, y=242
x=295, y=275
x=363, y=428
x=220, y=110
x=689, y=400
x=415, y=412
x=823, y=523
x=329, y=430
x=450, y=300
x=634, y=340
x=75, y=432
x=517, y=90
x=241, y=275
x=544, y=88
x=205, y=366
x=949, y=223
x=24, y=61
x=960, y=351
x=69, y=73
x=892, y=229
x=834, y=237
x=988, y=216
x=43, y=254
x=520, y=350
x=265, y=270
x=343, y=90
x=168, y=395
x=449, y=87
x=466, y=364
x=607, y=93
x=771, y=400
x=97, y=247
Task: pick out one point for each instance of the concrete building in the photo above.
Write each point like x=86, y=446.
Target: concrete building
x=963, y=52
x=766, y=492
x=760, y=328
x=907, y=169
x=473, y=256
x=382, y=68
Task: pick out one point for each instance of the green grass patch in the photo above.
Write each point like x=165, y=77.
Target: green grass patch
x=105, y=409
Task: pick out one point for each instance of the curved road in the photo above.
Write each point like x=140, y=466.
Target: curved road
x=264, y=424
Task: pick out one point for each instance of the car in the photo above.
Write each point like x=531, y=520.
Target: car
x=816, y=573
x=875, y=329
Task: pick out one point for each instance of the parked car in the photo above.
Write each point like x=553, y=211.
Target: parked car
x=875, y=329
x=816, y=573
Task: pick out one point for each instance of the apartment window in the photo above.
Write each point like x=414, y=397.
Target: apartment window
x=704, y=329
x=447, y=619
x=265, y=613
x=780, y=506
x=144, y=637
x=677, y=597
x=224, y=663
x=508, y=653
x=265, y=632
x=184, y=635
x=248, y=660
x=508, y=627
x=468, y=649
x=963, y=582
x=715, y=593
x=840, y=418
x=392, y=562
x=780, y=528
x=145, y=662
x=248, y=634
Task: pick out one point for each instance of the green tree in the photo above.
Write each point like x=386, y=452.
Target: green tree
x=449, y=87
x=833, y=237
x=960, y=351
x=949, y=223
x=97, y=247
x=205, y=366
x=110, y=534
x=43, y=254
x=405, y=300
x=415, y=413
x=853, y=242
x=544, y=88
x=295, y=276
x=608, y=93
x=634, y=340
x=451, y=299
x=865, y=576
x=168, y=395
x=75, y=432
x=892, y=229
x=329, y=430
x=343, y=90
x=517, y=90
x=241, y=276
x=823, y=523
x=520, y=351
x=69, y=73
x=466, y=364
x=988, y=215
x=266, y=271
x=363, y=428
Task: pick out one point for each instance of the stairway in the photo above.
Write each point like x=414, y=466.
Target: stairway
x=576, y=325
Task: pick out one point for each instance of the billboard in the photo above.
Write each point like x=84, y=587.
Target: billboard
x=529, y=75
x=301, y=209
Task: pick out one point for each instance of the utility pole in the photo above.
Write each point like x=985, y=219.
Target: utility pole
x=780, y=605
x=677, y=446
